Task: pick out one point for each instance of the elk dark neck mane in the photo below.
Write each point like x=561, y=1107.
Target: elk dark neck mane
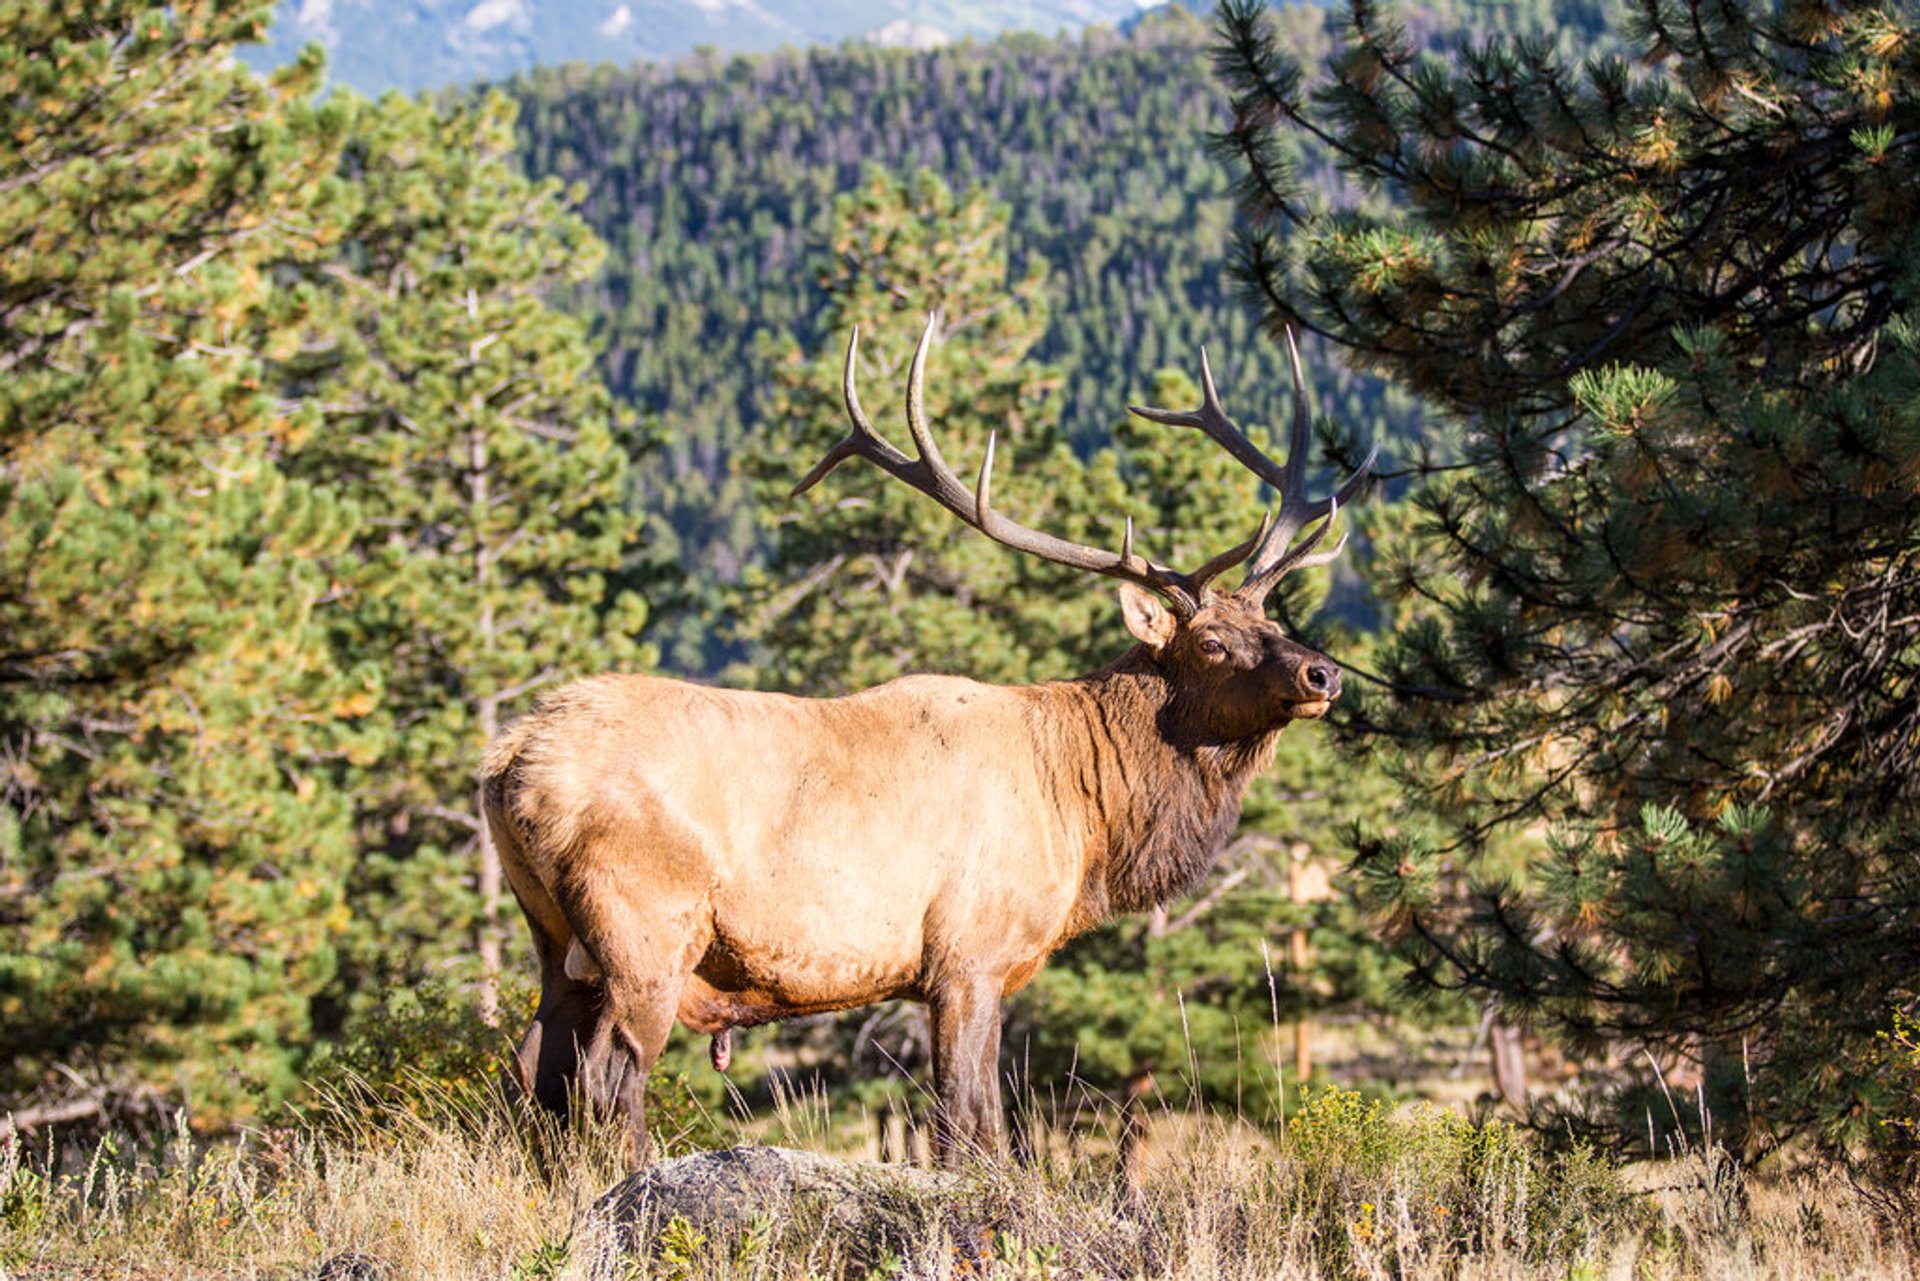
x=1161, y=796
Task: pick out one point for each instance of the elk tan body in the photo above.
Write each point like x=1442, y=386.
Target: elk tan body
x=931, y=783
x=723, y=858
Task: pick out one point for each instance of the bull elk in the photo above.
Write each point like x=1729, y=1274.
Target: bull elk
x=725, y=859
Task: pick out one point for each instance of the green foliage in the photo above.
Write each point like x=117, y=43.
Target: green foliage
x=1900, y=1075
x=24, y=1202
x=459, y=411
x=172, y=851
x=302, y=481
x=1019, y=1260
x=419, y=1050
x=865, y=577
x=1890, y=1168
x=1656, y=615
x=681, y=1247
x=420, y=1056
x=546, y=1259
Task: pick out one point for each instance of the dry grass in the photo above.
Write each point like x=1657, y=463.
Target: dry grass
x=485, y=1190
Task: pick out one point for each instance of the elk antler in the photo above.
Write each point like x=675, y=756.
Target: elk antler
x=1276, y=553
x=930, y=475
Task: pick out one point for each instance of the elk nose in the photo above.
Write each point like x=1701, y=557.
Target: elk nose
x=1323, y=678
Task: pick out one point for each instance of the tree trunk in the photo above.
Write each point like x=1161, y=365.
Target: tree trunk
x=1509, y=1061
x=1133, y=1137
x=1300, y=957
x=488, y=709
x=489, y=879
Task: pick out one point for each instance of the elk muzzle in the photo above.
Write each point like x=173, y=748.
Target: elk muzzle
x=1321, y=677
x=1313, y=683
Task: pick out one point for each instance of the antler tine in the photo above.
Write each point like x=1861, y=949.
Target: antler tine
x=860, y=442
x=930, y=475
x=1288, y=479
x=1211, y=419
x=1301, y=429
x=1271, y=552
x=1296, y=512
x=1233, y=555
x=1261, y=578
x=916, y=384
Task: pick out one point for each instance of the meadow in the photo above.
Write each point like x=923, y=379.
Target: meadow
x=451, y=1181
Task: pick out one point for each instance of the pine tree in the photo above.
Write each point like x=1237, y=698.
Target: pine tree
x=171, y=851
x=1661, y=613
x=462, y=414
x=867, y=580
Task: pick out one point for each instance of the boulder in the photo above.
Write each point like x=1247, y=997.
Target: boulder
x=740, y=1192
x=353, y=1266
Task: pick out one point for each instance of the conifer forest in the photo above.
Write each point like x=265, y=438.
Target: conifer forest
x=336, y=429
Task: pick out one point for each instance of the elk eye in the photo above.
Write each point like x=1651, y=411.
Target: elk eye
x=1212, y=646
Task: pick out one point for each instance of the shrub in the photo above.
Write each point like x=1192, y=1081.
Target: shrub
x=1888, y=1176
x=1411, y=1185
x=424, y=1052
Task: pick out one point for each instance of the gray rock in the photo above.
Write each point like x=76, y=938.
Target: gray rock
x=353, y=1267
x=728, y=1195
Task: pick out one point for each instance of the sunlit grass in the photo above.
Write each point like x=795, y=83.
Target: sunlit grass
x=480, y=1186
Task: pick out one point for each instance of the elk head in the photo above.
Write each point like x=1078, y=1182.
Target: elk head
x=1233, y=667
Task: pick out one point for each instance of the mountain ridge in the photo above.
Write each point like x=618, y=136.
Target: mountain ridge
x=429, y=44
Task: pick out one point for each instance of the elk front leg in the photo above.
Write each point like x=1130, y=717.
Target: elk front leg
x=966, y=1069
x=562, y=1026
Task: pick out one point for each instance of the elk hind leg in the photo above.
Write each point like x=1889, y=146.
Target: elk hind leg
x=549, y=1052
x=645, y=952
x=549, y=1056
x=627, y=1041
x=966, y=1070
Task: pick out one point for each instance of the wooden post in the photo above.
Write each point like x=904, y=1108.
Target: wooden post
x=492, y=934
x=916, y=1147
x=892, y=1149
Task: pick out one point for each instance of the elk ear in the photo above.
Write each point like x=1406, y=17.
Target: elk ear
x=1148, y=618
